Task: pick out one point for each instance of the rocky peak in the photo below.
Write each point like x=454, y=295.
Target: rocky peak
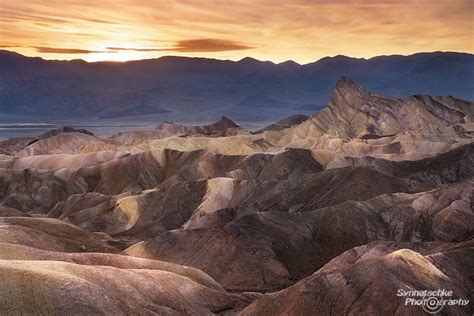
x=346, y=87
x=166, y=124
x=349, y=96
x=226, y=122
x=62, y=130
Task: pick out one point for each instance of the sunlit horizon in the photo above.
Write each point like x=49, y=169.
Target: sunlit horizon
x=126, y=57
x=299, y=30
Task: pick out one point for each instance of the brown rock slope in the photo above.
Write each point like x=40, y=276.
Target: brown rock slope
x=38, y=190
x=223, y=127
x=10, y=212
x=52, y=235
x=51, y=287
x=14, y=145
x=356, y=123
x=162, y=208
x=62, y=161
x=284, y=123
x=365, y=280
x=63, y=143
x=244, y=192
x=336, y=212
x=267, y=250
x=355, y=112
x=452, y=166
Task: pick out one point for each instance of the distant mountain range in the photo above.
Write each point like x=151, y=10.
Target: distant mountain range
x=35, y=87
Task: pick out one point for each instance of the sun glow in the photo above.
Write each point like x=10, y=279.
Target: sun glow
x=116, y=51
x=301, y=30
x=120, y=56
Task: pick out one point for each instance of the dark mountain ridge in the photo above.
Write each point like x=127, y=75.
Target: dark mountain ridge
x=66, y=89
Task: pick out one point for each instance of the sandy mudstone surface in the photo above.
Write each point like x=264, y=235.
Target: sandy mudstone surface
x=328, y=214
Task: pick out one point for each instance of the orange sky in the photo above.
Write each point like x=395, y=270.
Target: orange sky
x=277, y=30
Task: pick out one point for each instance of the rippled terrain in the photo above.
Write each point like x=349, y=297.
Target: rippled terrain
x=331, y=213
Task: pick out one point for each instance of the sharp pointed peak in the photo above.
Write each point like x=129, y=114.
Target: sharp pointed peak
x=227, y=121
x=225, y=118
x=346, y=84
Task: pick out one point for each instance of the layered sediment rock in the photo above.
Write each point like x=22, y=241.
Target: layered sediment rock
x=330, y=214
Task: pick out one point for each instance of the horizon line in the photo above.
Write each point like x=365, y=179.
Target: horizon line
x=237, y=61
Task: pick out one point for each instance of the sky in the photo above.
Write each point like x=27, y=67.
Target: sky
x=275, y=30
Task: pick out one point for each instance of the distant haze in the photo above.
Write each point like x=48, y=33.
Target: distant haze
x=202, y=90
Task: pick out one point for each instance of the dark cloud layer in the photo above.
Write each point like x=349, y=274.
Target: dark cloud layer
x=208, y=45
x=54, y=50
x=194, y=46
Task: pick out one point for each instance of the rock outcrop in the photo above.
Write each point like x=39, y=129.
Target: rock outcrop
x=330, y=214
x=222, y=128
x=366, y=280
x=284, y=123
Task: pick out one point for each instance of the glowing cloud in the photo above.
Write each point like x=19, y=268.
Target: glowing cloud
x=52, y=50
x=209, y=45
x=193, y=45
x=277, y=30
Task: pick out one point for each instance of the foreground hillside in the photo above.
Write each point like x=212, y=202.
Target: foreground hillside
x=328, y=214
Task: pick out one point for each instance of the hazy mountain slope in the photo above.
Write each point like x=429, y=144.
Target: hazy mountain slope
x=74, y=88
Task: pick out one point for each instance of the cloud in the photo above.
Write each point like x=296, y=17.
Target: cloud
x=136, y=49
x=193, y=46
x=301, y=30
x=208, y=45
x=53, y=50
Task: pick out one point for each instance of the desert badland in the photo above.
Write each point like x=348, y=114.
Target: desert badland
x=327, y=214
